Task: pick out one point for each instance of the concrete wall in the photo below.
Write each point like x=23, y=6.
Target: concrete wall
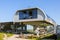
x=16, y=18
x=40, y=16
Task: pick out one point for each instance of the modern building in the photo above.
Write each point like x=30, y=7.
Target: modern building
x=35, y=17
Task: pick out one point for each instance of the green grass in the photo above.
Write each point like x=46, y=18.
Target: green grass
x=36, y=38
x=33, y=39
x=58, y=38
x=47, y=35
x=9, y=34
x=39, y=38
x=2, y=35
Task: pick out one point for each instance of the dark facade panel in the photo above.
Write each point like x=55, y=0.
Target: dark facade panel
x=29, y=14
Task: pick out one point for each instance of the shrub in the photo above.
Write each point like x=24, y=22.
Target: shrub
x=38, y=38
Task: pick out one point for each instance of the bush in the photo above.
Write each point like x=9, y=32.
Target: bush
x=38, y=38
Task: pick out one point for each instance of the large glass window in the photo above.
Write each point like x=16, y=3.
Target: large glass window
x=21, y=15
x=34, y=14
x=50, y=28
x=29, y=14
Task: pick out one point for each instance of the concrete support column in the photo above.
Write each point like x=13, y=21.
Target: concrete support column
x=55, y=28
x=24, y=27
x=34, y=27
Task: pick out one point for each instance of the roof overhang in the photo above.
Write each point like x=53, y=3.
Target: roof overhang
x=37, y=23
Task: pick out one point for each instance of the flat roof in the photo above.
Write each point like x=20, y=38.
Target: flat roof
x=26, y=9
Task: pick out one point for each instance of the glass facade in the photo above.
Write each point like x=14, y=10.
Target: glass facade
x=50, y=28
x=29, y=14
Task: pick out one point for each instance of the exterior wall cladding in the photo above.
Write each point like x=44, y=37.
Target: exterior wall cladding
x=41, y=16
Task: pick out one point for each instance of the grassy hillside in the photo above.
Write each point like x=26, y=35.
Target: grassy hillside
x=2, y=35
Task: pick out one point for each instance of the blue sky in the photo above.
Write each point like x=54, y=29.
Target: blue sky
x=9, y=7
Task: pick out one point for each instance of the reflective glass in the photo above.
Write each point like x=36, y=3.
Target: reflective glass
x=30, y=14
